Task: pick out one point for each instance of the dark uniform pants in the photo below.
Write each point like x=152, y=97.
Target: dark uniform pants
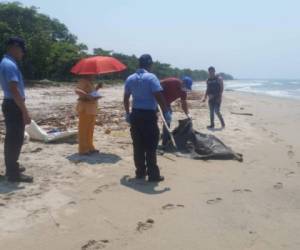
x=145, y=136
x=14, y=137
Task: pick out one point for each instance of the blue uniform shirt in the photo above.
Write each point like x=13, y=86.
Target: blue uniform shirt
x=9, y=72
x=142, y=85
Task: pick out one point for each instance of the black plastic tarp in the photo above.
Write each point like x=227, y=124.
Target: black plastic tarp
x=201, y=146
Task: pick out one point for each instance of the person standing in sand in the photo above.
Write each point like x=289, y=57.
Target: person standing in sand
x=14, y=109
x=214, y=92
x=173, y=89
x=146, y=92
x=87, y=111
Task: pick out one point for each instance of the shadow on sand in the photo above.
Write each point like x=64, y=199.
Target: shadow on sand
x=215, y=129
x=142, y=186
x=97, y=158
x=8, y=187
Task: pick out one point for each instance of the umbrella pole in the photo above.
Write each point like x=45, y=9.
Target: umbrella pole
x=167, y=127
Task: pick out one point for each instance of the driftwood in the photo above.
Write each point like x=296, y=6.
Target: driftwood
x=238, y=113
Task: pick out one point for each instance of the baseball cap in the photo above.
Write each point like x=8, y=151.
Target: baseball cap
x=188, y=82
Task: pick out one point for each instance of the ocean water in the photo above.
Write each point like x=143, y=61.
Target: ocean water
x=276, y=88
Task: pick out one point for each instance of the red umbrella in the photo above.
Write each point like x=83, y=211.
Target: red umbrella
x=98, y=65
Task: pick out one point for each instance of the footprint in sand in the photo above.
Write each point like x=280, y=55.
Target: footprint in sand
x=172, y=206
x=95, y=245
x=242, y=191
x=144, y=226
x=37, y=213
x=237, y=130
x=72, y=203
x=36, y=150
x=289, y=174
x=278, y=186
x=264, y=129
x=100, y=189
x=291, y=153
x=214, y=201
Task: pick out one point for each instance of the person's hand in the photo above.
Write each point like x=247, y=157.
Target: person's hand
x=99, y=86
x=127, y=118
x=189, y=116
x=26, y=119
x=204, y=100
x=168, y=116
x=90, y=98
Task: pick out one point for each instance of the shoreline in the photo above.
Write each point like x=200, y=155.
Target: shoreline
x=90, y=204
x=264, y=95
x=249, y=87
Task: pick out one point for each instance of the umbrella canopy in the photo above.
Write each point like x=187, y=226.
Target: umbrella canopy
x=98, y=65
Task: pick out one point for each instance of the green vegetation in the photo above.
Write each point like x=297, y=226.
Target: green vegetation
x=53, y=50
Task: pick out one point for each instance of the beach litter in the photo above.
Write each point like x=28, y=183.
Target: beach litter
x=240, y=113
x=37, y=133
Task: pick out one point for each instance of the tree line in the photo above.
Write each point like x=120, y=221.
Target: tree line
x=53, y=50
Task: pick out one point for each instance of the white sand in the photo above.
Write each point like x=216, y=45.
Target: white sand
x=201, y=205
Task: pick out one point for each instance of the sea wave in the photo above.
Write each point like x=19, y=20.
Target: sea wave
x=276, y=88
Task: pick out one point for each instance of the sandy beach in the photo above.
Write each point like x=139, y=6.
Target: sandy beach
x=93, y=203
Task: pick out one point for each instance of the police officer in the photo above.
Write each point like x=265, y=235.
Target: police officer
x=14, y=109
x=146, y=92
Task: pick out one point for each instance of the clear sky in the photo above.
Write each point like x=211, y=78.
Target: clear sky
x=247, y=38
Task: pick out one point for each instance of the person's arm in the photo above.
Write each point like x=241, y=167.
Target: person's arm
x=184, y=106
x=161, y=101
x=19, y=100
x=157, y=92
x=126, y=97
x=126, y=102
x=83, y=95
x=205, y=95
x=221, y=88
x=99, y=86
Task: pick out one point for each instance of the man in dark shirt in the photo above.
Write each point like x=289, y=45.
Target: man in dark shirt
x=214, y=93
x=173, y=89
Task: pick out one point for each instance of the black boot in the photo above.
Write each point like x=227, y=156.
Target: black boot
x=156, y=179
x=20, y=178
x=211, y=126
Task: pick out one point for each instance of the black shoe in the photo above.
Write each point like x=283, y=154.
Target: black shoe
x=140, y=177
x=161, y=147
x=210, y=126
x=21, y=170
x=21, y=178
x=156, y=179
